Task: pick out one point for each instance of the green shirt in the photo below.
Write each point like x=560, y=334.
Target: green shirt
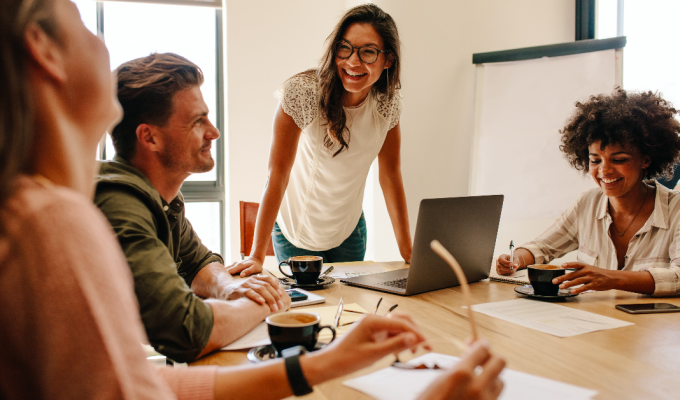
x=164, y=254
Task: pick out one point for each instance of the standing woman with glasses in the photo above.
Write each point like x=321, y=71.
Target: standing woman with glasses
x=330, y=125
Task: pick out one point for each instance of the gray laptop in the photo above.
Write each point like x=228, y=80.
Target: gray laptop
x=465, y=226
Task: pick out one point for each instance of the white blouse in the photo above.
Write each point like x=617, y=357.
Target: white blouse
x=585, y=227
x=322, y=203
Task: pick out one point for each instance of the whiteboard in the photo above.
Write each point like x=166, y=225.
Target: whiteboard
x=520, y=107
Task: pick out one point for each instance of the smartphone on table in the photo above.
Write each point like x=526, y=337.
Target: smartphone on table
x=648, y=308
x=296, y=296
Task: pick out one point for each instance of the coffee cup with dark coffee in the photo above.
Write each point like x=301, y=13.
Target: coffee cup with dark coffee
x=305, y=269
x=541, y=276
x=291, y=329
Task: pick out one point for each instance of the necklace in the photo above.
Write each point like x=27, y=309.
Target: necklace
x=631, y=221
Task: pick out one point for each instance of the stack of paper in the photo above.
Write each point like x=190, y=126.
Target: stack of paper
x=548, y=317
x=401, y=384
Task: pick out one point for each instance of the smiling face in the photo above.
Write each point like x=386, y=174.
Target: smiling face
x=617, y=169
x=188, y=134
x=358, y=77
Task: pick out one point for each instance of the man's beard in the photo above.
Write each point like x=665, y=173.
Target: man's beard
x=173, y=161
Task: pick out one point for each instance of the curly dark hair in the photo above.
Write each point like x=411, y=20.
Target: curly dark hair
x=643, y=120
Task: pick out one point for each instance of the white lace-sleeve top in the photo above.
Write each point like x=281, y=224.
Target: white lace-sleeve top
x=322, y=203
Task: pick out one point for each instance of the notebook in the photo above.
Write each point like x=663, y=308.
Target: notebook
x=520, y=277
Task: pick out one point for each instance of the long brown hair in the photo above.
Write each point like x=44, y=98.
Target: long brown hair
x=16, y=112
x=331, y=90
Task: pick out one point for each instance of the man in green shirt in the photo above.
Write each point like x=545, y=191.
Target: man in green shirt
x=165, y=136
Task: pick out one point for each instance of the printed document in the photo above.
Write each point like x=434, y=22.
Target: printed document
x=402, y=384
x=548, y=317
x=356, y=269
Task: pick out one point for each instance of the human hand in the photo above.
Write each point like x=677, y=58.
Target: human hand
x=462, y=382
x=506, y=267
x=406, y=254
x=371, y=339
x=262, y=289
x=591, y=277
x=249, y=266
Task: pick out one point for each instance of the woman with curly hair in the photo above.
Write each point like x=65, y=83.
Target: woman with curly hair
x=627, y=231
x=331, y=123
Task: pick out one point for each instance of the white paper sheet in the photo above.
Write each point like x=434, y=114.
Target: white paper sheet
x=548, y=317
x=400, y=384
x=352, y=270
x=259, y=336
x=312, y=298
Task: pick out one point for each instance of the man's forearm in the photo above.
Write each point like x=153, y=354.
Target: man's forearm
x=232, y=320
x=212, y=282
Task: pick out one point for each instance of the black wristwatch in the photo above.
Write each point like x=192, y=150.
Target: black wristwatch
x=296, y=379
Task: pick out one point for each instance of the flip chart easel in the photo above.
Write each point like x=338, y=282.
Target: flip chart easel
x=523, y=97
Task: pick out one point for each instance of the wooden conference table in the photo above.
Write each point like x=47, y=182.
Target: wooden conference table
x=640, y=361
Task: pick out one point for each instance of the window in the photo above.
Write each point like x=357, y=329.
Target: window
x=649, y=58
x=131, y=30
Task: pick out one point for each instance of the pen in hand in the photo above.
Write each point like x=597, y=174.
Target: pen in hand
x=512, y=251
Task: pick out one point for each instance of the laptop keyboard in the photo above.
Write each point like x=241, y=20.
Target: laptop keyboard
x=397, y=283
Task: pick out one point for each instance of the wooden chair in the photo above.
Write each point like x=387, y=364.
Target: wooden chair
x=248, y=213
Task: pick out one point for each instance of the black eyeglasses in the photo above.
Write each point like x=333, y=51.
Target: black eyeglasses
x=367, y=54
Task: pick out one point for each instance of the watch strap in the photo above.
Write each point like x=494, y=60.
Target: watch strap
x=296, y=379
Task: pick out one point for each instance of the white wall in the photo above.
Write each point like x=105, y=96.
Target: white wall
x=269, y=41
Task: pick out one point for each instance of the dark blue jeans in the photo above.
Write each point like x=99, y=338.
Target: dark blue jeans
x=352, y=249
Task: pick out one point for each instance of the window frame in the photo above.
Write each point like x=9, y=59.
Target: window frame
x=197, y=191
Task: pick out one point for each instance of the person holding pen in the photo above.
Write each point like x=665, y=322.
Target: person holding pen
x=70, y=323
x=626, y=231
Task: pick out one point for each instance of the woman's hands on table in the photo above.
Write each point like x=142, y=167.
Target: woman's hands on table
x=375, y=337
x=594, y=278
x=521, y=258
x=369, y=340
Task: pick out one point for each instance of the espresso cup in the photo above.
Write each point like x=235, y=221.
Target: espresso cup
x=292, y=329
x=541, y=276
x=305, y=269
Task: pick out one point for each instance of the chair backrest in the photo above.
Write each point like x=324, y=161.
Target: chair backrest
x=248, y=213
